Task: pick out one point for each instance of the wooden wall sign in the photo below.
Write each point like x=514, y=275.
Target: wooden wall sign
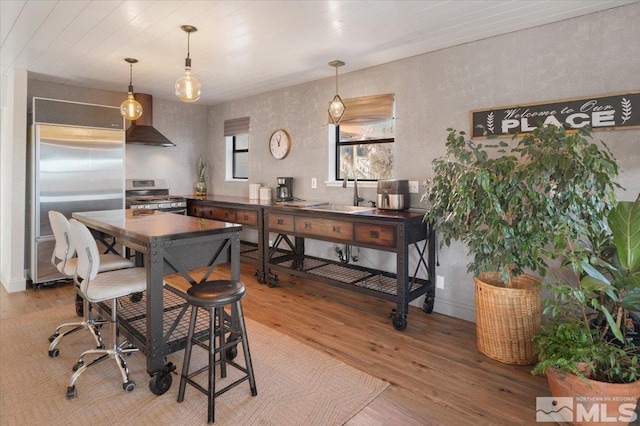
x=616, y=111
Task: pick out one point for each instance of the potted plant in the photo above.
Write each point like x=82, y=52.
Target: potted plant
x=201, y=184
x=589, y=349
x=515, y=206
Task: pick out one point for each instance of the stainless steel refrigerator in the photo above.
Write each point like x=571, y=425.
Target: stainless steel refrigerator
x=77, y=164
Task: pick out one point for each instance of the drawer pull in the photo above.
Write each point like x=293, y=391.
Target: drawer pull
x=336, y=229
x=226, y=215
x=307, y=225
x=374, y=234
x=246, y=217
x=280, y=221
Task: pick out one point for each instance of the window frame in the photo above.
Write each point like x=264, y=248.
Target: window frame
x=339, y=144
x=234, y=151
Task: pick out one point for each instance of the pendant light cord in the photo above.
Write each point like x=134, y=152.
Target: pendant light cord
x=130, y=77
x=336, y=80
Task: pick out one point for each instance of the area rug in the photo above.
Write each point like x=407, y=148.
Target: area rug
x=297, y=385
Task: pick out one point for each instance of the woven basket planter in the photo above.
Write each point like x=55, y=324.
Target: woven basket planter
x=507, y=318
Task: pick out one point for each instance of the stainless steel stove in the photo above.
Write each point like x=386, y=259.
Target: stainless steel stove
x=153, y=194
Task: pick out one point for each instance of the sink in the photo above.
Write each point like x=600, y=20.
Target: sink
x=342, y=208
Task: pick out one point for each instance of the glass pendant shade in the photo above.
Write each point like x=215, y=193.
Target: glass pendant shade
x=188, y=87
x=130, y=108
x=336, y=109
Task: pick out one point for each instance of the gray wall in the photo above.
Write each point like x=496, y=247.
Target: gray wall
x=591, y=55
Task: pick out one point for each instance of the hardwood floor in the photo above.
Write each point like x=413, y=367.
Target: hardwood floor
x=437, y=376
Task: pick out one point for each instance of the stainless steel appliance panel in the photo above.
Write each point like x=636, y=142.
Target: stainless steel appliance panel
x=75, y=169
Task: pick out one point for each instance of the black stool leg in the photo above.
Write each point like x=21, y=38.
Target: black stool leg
x=211, y=396
x=187, y=354
x=221, y=341
x=245, y=348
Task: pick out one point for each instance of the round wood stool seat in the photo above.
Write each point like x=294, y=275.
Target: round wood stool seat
x=215, y=293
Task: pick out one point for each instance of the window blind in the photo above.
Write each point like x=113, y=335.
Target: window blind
x=236, y=126
x=367, y=109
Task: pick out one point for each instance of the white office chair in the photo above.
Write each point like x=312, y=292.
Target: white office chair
x=99, y=287
x=63, y=258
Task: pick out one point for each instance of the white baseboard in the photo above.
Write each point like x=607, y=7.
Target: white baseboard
x=449, y=308
x=12, y=286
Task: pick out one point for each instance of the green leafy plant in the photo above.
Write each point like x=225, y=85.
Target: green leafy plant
x=515, y=207
x=202, y=170
x=593, y=319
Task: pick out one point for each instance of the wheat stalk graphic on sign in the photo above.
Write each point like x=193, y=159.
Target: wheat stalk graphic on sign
x=490, y=122
x=626, y=110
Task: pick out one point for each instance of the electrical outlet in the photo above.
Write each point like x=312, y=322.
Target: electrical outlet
x=440, y=282
x=413, y=186
x=314, y=183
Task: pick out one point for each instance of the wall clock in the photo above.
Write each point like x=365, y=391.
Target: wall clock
x=280, y=144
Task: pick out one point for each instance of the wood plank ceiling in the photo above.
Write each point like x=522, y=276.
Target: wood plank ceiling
x=243, y=48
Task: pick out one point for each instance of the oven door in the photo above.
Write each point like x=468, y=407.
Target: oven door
x=176, y=210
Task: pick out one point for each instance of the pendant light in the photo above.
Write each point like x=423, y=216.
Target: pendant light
x=188, y=87
x=337, y=107
x=130, y=108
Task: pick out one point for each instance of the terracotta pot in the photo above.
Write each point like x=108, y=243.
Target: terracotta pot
x=593, y=401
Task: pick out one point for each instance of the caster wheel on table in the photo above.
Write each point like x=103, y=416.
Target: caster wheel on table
x=427, y=306
x=72, y=392
x=54, y=353
x=399, y=322
x=136, y=297
x=129, y=386
x=160, y=382
x=79, y=306
x=232, y=351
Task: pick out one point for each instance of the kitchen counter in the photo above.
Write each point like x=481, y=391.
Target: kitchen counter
x=398, y=232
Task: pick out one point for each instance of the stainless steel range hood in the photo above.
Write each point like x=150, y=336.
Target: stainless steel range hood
x=141, y=130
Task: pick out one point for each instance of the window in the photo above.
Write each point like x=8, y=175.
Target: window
x=236, y=134
x=240, y=156
x=364, y=139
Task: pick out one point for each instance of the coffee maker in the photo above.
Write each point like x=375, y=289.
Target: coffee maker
x=283, y=191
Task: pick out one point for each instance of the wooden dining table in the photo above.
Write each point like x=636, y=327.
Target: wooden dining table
x=166, y=243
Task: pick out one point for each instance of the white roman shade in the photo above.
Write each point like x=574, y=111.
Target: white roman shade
x=236, y=126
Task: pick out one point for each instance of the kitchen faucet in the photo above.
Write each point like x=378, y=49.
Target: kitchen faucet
x=356, y=199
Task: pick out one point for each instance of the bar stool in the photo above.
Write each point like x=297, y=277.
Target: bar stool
x=214, y=296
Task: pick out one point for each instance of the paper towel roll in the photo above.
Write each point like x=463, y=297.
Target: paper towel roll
x=265, y=194
x=254, y=191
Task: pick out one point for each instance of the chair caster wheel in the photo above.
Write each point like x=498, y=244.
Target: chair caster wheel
x=53, y=337
x=129, y=386
x=72, y=392
x=54, y=353
x=77, y=365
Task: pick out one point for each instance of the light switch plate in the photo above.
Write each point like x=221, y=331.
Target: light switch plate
x=413, y=186
x=314, y=183
x=440, y=282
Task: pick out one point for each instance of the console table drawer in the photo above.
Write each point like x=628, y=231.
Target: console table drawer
x=327, y=228
x=220, y=213
x=379, y=235
x=196, y=210
x=247, y=217
x=280, y=222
